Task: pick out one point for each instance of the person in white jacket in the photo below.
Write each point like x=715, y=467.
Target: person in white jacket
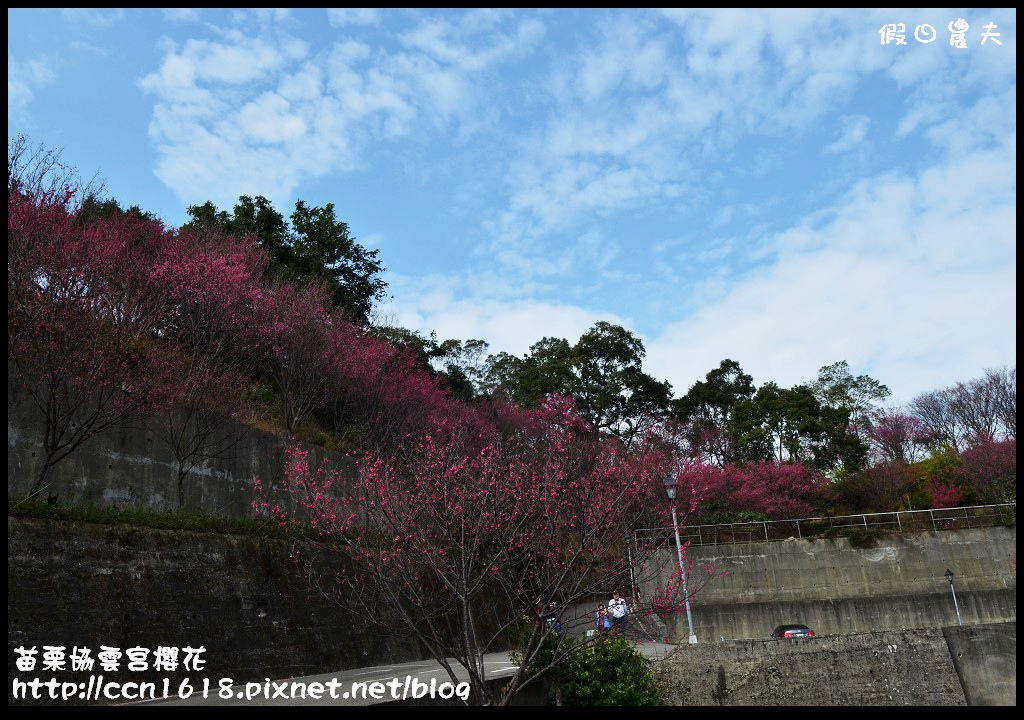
x=618, y=609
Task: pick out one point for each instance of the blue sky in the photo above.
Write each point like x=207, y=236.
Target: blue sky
x=777, y=187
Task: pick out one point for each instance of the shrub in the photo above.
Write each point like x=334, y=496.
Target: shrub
x=609, y=673
x=863, y=537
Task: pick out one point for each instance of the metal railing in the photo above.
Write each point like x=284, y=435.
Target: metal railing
x=903, y=521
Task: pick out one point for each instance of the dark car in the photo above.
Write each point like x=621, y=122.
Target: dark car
x=792, y=631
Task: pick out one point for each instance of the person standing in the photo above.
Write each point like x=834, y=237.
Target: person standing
x=602, y=621
x=553, y=621
x=618, y=609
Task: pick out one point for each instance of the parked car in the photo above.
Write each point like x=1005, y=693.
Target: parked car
x=792, y=631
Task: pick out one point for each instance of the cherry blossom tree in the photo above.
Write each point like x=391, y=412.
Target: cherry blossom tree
x=990, y=472
x=81, y=320
x=897, y=436
x=944, y=495
x=39, y=172
x=296, y=352
x=212, y=286
x=776, y=490
x=384, y=391
x=454, y=538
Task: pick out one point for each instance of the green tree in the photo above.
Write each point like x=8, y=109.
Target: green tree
x=706, y=411
x=256, y=217
x=602, y=372
x=546, y=369
x=793, y=426
x=94, y=208
x=316, y=246
x=323, y=249
x=836, y=387
x=612, y=391
x=207, y=217
x=609, y=673
x=500, y=374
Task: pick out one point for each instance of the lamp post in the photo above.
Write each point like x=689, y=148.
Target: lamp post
x=632, y=577
x=949, y=576
x=672, y=489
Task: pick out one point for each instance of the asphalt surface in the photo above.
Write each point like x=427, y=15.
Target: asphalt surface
x=353, y=688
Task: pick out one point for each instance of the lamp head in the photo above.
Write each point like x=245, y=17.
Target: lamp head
x=949, y=575
x=671, y=486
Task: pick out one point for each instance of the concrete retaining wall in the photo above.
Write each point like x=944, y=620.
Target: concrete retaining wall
x=133, y=468
x=744, y=591
x=933, y=667
x=82, y=585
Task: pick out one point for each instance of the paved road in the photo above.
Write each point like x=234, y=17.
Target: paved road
x=353, y=687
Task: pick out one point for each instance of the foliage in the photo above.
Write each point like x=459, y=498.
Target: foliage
x=454, y=535
x=384, y=390
x=989, y=472
x=880, y=488
x=602, y=372
x=260, y=392
x=110, y=299
x=896, y=436
x=459, y=366
x=611, y=672
x=52, y=509
x=706, y=410
x=791, y=425
x=858, y=537
x=944, y=495
x=540, y=660
x=944, y=464
x=295, y=349
x=80, y=319
x=717, y=513
x=836, y=387
x=323, y=250
x=317, y=248
x=769, y=490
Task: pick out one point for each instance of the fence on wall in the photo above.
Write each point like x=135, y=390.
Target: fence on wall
x=903, y=521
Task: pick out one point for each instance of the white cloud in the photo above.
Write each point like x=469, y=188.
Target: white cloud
x=510, y=327
x=902, y=281
x=270, y=119
x=98, y=17
x=340, y=17
x=854, y=130
x=23, y=79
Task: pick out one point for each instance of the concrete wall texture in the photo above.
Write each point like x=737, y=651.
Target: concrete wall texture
x=134, y=468
x=971, y=665
x=87, y=585
x=745, y=590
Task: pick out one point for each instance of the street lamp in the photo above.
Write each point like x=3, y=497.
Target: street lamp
x=672, y=489
x=632, y=577
x=949, y=576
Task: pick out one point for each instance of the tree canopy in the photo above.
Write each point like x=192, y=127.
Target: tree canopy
x=602, y=372
x=315, y=246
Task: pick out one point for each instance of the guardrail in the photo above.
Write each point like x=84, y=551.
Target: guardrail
x=956, y=518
